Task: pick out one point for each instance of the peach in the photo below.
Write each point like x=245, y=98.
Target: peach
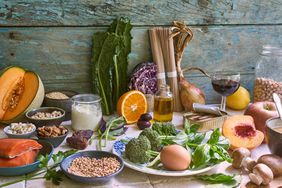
x=241, y=132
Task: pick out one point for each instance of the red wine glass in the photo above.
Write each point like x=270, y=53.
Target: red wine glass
x=225, y=83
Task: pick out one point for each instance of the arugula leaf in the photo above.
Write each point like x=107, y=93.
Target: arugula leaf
x=219, y=178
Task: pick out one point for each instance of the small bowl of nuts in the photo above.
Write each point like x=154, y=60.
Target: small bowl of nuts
x=46, y=116
x=55, y=134
x=20, y=130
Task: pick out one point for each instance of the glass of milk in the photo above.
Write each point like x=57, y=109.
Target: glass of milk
x=86, y=112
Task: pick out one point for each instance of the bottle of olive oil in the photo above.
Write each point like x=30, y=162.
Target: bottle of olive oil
x=163, y=104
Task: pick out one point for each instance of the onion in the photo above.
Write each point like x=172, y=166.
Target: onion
x=190, y=94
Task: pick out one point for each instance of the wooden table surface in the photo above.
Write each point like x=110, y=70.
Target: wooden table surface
x=131, y=178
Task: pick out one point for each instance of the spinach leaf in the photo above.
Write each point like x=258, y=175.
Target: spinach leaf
x=218, y=179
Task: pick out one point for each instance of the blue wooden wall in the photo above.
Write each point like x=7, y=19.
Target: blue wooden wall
x=53, y=37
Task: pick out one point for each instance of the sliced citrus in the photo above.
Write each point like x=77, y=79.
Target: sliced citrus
x=131, y=105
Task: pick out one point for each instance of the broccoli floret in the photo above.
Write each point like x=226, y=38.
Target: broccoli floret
x=164, y=129
x=138, y=150
x=153, y=137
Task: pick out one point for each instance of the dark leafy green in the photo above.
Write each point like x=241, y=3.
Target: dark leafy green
x=218, y=179
x=109, y=63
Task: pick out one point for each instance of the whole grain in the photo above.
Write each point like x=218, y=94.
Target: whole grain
x=92, y=167
x=56, y=95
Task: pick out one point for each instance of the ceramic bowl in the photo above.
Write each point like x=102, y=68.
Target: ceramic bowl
x=274, y=138
x=11, y=135
x=47, y=149
x=45, y=122
x=64, y=104
x=55, y=141
x=92, y=154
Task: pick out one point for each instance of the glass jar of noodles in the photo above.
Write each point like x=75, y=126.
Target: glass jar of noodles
x=163, y=104
x=86, y=112
x=268, y=74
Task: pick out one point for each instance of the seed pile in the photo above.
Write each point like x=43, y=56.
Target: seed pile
x=264, y=88
x=56, y=95
x=47, y=115
x=21, y=128
x=51, y=131
x=91, y=167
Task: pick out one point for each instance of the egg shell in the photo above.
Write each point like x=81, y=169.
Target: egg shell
x=175, y=157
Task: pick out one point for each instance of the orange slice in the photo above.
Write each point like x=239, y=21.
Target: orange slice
x=131, y=105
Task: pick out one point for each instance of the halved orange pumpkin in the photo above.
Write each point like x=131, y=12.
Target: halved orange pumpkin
x=20, y=91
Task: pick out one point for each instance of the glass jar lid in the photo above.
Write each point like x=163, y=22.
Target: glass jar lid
x=86, y=98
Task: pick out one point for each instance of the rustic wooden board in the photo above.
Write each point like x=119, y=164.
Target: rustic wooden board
x=141, y=12
x=64, y=53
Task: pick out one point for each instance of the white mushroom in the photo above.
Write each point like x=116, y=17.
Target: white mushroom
x=249, y=163
x=238, y=156
x=261, y=174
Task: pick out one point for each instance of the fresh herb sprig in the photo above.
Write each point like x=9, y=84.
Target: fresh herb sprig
x=219, y=178
x=50, y=171
x=108, y=134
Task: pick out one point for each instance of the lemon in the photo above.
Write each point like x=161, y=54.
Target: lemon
x=238, y=100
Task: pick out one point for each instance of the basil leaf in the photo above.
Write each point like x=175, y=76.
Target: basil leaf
x=222, y=152
x=190, y=128
x=214, y=137
x=197, y=138
x=201, y=156
x=218, y=179
x=223, y=142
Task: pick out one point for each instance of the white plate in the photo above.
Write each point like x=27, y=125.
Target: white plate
x=143, y=168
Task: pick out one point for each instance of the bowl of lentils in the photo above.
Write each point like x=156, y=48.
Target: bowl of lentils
x=46, y=116
x=92, y=166
x=20, y=130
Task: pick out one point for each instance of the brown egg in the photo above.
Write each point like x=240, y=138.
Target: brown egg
x=175, y=157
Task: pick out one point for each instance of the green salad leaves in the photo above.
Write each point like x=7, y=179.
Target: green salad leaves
x=219, y=178
x=109, y=63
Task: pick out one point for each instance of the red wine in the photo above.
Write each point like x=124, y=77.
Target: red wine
x=225, y=87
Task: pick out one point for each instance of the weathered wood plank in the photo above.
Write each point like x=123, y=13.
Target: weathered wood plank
x=141, y=12
x=64, y=53
x=61, y=56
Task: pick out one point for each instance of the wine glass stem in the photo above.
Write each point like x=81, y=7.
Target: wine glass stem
x=223, y=103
